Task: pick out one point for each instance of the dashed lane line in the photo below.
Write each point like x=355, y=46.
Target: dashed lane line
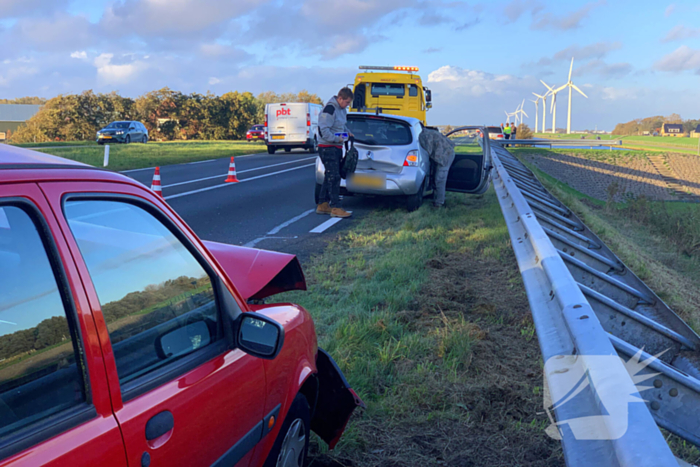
x=326, y=225
x=187, y=163
x=237, y=172
x=187, y=193
x=277, y=229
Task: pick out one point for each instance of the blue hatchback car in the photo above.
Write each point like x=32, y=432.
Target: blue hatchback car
x=123, y=132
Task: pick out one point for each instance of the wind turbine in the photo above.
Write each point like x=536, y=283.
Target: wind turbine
x=544, y=109
x=553, y=106
x=508, y=115
x=537, y=110
x=570, y=85
x=522, y=112
x=517, y=114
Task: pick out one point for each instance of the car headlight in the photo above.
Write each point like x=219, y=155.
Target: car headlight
x=120, y=132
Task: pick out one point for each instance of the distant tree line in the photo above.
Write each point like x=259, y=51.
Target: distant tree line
x=47, y=333
x=25, y=100
x=55, y=330
x=650, y=124
x=168, y=115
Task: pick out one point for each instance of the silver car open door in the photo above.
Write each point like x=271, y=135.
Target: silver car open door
x=470, y=171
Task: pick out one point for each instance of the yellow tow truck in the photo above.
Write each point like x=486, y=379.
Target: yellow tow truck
x=385, y=89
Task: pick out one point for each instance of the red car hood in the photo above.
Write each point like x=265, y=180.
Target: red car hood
x=258, y=273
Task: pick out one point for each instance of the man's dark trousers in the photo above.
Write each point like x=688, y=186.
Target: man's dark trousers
x=330, y=190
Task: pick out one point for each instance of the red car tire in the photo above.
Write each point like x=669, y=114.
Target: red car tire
x=292, y=443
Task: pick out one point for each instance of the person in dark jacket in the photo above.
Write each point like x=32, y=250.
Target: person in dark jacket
x=332, y=123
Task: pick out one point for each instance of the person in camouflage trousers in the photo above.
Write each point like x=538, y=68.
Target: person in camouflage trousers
x=441, y=150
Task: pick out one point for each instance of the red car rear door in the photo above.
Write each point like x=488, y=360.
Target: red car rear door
x=55, y=407
x=181, y=395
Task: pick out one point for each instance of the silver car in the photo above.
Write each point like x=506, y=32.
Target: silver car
x=393, y=163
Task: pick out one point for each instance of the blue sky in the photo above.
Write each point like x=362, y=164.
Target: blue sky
x=632, y=59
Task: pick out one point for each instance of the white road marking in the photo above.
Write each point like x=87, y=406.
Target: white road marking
x=326, y=225
x=290, y=222
x=237, y=172
x=201, y=162
x=187, y=163
x=276, y=230
x=242, y=181
x=251, y=244
x=137, y=170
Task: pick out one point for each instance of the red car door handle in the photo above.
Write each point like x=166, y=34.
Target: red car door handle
x=159, y=425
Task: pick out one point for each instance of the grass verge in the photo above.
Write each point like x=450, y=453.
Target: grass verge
x=649, y=143
x=426, y=314
x=137, y=156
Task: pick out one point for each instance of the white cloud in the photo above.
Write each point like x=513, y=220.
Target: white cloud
x=515, y=9
x=18, y=8
x=681, y=59
x=680, y=32
x=176, y=18
x=601, y=68
x=472, y=82
x=611, y=93
x=597, y=50
x=669, y=10
x=79, y=55
x=53, y=33
x=570, y=21
x=214, y=80
x=12, y=75
x=110, y=73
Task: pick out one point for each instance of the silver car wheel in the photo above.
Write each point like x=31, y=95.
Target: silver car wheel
x=293, y=448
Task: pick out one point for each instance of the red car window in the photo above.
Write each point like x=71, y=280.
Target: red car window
x=157, y=300
x=39, y=376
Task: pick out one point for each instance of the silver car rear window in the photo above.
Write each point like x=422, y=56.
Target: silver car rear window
x=380, y=131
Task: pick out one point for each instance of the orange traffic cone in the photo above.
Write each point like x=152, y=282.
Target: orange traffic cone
x=232, y=172
x=155, y=184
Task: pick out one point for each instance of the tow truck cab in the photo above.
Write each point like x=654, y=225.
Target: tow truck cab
x=385, y=89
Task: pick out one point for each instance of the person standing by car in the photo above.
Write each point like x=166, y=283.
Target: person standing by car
x=441, y=149
x=331, y=123
x=507, y=131
x=514, y=132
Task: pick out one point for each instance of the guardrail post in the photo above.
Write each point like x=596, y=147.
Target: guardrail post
x=106, y=161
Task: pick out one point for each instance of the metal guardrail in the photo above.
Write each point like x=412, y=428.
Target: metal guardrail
x=588, y=306
x=562, y=142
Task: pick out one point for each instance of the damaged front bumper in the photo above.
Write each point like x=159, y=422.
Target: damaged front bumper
x=335, y=403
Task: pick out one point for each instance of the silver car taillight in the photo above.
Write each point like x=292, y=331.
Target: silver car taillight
x=411, y=159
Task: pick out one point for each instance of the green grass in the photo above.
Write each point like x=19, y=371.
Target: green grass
x=55, y=144
x=407, y=306
x=649, y=143
x=137, y=156
x=658, y=240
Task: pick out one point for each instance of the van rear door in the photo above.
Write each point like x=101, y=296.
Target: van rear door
x=287, y=122
x=470, y=171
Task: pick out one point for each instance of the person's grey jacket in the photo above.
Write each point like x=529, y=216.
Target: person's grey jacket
x=332, y=120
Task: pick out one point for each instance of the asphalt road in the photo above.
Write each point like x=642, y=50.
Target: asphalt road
x=271, y=208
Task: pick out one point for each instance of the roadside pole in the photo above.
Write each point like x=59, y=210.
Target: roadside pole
x=106, y=161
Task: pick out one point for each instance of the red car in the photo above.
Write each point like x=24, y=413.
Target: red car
x=125, y=340
x=257, y=133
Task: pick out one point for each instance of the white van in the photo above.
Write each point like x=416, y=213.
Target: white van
x=290, y=125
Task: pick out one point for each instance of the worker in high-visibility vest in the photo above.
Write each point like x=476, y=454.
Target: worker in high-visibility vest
x=507, y=131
